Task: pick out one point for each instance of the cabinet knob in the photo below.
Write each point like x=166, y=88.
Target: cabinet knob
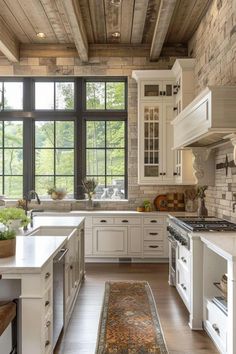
x=164, y=173
x=184, y=259
x=175, y=108
x=153, y=221
x=47, y=343
x=153, y=233
x=71, y=266
x=103, y=221
x=47, y=275
x=125, y=220
x=153, y=246
x=47, y=303
x=160, y=173
x=216, y=328
x=183, y=286
x=175, y=174
x=48, y=323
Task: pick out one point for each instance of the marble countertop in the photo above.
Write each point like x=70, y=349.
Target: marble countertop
x=222, y=243
x=32, y=253
x=131, y=212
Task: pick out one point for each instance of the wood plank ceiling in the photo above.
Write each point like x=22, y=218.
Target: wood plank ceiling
x=98, y=27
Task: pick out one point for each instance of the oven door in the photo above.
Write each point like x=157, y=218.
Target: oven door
x=172, y=259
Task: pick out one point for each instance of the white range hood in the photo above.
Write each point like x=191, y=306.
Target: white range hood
x=209, y=118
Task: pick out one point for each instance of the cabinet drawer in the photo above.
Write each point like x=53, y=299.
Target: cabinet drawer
x=150, y=234
x=184, y=257
x=183, y=284
x=103, y=221
x=153, y=247
x=127, y=221
x=153, y=220
x=48, y=326
x=216, y=324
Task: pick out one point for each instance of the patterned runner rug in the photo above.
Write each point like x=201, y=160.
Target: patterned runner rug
x=129, y=322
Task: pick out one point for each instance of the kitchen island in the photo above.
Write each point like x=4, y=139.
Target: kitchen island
x=29, y=277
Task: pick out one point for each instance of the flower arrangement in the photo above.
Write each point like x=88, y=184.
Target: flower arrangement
x=57, y=192
x=89, y=185
x=190, y=194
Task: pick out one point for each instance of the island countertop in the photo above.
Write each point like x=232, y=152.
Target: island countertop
x=222, y=243
x=32, y=253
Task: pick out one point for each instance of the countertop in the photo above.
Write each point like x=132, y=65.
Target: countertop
x=223, y=243
x=131, y=212
x=32, y=253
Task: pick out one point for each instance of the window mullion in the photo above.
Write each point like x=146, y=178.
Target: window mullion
x=28, y=155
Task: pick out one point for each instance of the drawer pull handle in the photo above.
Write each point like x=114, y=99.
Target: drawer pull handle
x=216, y=328
x=183, y=286
x=47, y=275
x=153, y=221
x=153, y=233
x=48, y=323
x=71, y=266
x=125, y=220
x=153, y=246
x=47, y=303
x=47, y=343
x=183, y=259
x=103, y=221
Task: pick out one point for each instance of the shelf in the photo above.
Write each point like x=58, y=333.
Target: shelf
x=217, y=285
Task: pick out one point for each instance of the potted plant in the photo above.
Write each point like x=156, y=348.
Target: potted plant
x=57, y=193
x=202, y=210
x=89, y=185
x=11, y=218
x=147, y=205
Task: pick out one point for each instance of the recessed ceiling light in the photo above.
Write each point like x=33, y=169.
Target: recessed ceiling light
x=116, y=34
x=115, y=2
x=41, y=35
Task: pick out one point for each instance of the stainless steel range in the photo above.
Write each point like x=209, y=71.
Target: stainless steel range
x=180, y=230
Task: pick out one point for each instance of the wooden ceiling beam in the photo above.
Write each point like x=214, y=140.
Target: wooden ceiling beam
x=99, y=50
x=73, y=12
x=9, y=45
x=166, y=11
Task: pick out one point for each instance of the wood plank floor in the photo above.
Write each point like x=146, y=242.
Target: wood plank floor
x=81, y=334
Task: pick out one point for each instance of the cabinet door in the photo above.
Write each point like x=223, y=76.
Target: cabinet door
x=168, y=153
x=167, y=90
x=110, y=241
x=135, y=241
x=150, y=143
x=151, y=90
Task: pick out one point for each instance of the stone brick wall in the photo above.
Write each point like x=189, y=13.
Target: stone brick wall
x=214, y=47
x=111, y=66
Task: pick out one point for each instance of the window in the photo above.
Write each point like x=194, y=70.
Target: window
x=69, y=129
x=11, y=95
x=11, y=158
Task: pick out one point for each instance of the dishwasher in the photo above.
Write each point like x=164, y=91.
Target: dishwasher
x=58, y=293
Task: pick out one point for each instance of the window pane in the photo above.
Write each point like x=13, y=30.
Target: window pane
x=42, y=184
x=1, y=161
x=64, y=162
x=13, y=95
x=95, y=163
x=115, y=95
x=44, y=134
x=44, y=95
x=95, y=95
x=1, y=185
x=95, y=134
x=1, y=89
x=13, y=162
x=67, y=183
x=65, y=95
x=13, y=186
x=13, y=134
x=115, y=162
x=64, y=134
x=115, y=134
x=44, y=162
x=117, y=186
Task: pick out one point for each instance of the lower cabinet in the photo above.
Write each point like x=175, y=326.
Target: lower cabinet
x=183, y=277
x=110, y=241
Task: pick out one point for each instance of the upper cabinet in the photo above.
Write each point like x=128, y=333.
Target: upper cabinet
x=158, y=163
x=155, y=132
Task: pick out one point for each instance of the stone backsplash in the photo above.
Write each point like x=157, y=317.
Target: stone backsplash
x=214, y=47
x=111, y=66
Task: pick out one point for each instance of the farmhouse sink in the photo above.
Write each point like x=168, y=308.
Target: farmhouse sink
x=52, y=231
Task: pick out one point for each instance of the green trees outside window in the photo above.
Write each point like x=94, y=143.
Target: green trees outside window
x=68, y=129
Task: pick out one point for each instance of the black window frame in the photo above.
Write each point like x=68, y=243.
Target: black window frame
x=79, y=115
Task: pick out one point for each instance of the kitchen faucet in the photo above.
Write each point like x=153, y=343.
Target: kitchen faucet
x=27, y=199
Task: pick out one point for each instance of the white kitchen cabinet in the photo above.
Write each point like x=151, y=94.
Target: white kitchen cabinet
x=135, y=241
x=155, y=132
x=183, y=70
x=156, y=158
x=110, y=241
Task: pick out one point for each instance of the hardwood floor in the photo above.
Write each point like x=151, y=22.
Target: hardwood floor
x=81, y=334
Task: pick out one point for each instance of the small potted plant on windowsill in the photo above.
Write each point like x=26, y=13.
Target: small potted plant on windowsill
x=57, y=193
x=89, y=185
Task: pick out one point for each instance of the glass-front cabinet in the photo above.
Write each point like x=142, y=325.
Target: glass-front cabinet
x=154, y=89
